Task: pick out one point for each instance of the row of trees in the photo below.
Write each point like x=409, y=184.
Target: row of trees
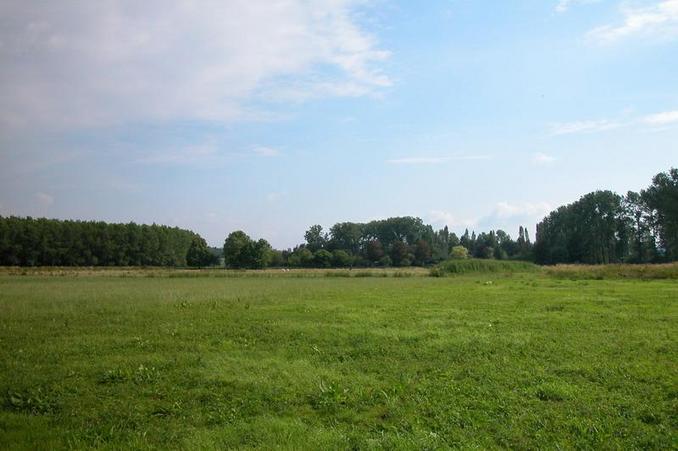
x=51, y=242
x=605, y=227
x=399, y=241
x=601, y=227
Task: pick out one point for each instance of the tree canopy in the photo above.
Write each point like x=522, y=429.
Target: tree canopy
x=52, y=242
x=605, y=227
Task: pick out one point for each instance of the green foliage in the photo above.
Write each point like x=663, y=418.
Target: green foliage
x=240, y=251
x=244, y=360
x=237, y=250
x=315, y=238
x=592, y=230
x=199, y=254
x=51, y=242
x=482, y=266
x=341, y=259
x=346, y=236
x=459, y=253
x=374, y=251
x=33, y=401
x=661, y=202
x=322, y=258
x=604, y=227
x=385, y=261
x=301, y=258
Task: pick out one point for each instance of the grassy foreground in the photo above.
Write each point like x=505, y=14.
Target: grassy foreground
x=314, y=362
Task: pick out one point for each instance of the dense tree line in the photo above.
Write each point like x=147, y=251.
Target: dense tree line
x=399, y=241
x=605, y=227
x=51, y=242
x=601, y=227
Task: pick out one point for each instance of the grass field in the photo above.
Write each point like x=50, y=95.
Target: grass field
x=190, y=360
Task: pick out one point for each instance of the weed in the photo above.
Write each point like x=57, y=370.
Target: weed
x=32, y=401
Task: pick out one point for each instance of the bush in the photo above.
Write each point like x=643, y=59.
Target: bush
x=385, y=261
x=322, y=258
x=459, y=253
x=341, y=258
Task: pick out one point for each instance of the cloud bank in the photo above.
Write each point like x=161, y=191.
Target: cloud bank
x=71, y=64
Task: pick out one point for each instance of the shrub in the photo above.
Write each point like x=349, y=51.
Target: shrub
x=459, y=253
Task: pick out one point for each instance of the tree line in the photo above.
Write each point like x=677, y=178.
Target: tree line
x=600, y=227
x=51, y=242
x=605, y=227
x=398, y=241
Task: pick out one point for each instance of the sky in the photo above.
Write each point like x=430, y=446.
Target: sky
x=273, y=115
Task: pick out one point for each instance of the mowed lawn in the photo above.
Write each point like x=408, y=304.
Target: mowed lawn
x=476, y=361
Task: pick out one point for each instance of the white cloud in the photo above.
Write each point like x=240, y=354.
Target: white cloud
x=665, y=118
x=266, y=151
x=44, y=199
x=115, y=61
x=436, y=160
x=541, y=159
x=503, y=215
x=564, y=5
x=509, y=216
x=445, y=218
x=566, y=128
x=504, y=210
x=658, y=20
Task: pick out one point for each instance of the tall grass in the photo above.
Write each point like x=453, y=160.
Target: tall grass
x=599, y=272
x=185, y=273
x=481, y=266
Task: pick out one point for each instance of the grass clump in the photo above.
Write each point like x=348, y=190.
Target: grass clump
x=554, y=392
x=36, y=401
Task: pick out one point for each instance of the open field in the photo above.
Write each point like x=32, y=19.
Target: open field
x=119, y=359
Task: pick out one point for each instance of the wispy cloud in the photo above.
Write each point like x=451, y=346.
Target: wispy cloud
x=564, y=5
x=657, y=20
x=665, y=118
x=85, y=64
x=437, y=160
x=502, y=215
x=446, y=218
x=591, y=126
x=504, y=210
x=541, y=159
x=263, y=151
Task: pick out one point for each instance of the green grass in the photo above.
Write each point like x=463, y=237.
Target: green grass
x=91, y=360
x=482, y=266
x=599, y=272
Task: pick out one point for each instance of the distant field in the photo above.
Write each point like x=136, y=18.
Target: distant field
x=127, y=358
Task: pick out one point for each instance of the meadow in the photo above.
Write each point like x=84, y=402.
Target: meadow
x=393, y=359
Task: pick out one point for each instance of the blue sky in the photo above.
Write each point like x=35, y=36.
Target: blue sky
x=272, y=116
